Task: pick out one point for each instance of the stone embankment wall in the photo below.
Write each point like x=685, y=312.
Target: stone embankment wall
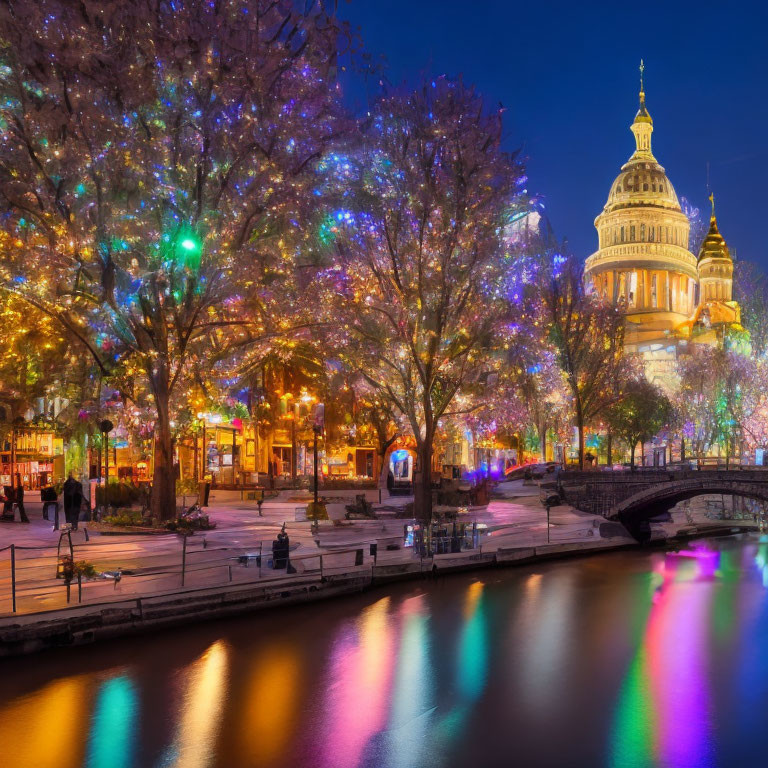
x=83, y=624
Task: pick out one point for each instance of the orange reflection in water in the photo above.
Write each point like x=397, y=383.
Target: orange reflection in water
x=269, y=710
x=201, y=710
x=47, y=729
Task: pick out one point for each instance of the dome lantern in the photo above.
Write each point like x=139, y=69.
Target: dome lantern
x=642, y=127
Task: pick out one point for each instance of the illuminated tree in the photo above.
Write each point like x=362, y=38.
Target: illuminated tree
x=699, y=226
x=588, y=337
x=720, y=395
x=421, y=273
x=640, y=414
x=155, y=167
x=750, y=289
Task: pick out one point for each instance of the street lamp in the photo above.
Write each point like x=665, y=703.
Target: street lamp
x=106, y=426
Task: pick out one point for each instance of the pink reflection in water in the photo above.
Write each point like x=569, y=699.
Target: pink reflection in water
x=359, y=681
x=676, y=647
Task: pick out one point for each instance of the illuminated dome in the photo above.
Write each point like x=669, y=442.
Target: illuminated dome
x=642, y=182
x=642, y=260
x=715, y=264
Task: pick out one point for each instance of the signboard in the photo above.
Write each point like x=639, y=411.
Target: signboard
x=759, y=452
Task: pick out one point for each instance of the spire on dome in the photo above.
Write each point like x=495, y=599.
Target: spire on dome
x=713, y=245
x=642, y=127
x=642, y=115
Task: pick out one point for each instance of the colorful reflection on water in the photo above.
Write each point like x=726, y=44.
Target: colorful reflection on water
x=629, y=661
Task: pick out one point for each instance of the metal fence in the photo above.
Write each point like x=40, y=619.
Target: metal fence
x=31, y=577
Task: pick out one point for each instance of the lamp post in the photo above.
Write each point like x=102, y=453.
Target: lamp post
x=317, y=428
x=106, y=426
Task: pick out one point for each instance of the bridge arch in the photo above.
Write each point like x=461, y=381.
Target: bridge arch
x=636, y=510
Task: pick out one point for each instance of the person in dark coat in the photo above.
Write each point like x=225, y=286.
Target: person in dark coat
x=50, y=500
x=19, y=499
x=73, y=500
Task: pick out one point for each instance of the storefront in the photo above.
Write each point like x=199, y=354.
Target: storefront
x=35, y=454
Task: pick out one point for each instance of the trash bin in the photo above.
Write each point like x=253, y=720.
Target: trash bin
x=203, y=491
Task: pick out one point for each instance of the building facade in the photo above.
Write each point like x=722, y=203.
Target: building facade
x=672, y=297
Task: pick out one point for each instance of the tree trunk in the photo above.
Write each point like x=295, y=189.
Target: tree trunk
x=422, y=488
x=543, y=443
x=642, y=453
x=632, y=457
x=609, y=446
x=383, y=465
x=163, y=502
x=682, y=448
x=580, y=427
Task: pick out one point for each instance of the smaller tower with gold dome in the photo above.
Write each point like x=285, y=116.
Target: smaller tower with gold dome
x=716, y=312
x=715, y=264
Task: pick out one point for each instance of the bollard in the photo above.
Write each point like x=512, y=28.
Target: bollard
x=13, y=576
x=87, y=537
x=321, y=567
x=79, y=588
x=230, y=572
x=183, y=559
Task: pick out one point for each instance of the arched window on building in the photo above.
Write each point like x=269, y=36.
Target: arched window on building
x=654, y=300
x=642, y=233
x=622, y=234
x=632, y=233
x=650, y=234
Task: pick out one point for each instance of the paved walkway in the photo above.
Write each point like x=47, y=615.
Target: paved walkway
x=153, y=563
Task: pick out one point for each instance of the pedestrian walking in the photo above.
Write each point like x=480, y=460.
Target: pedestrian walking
x=50, y=500
x=19, y=499
x=73, y=500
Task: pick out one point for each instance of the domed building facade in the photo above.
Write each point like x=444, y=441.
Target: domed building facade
x=643, y=261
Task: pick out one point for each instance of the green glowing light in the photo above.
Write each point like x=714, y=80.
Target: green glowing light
x=188, y=244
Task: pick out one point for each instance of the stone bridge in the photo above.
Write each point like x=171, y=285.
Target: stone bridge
x=634, y=497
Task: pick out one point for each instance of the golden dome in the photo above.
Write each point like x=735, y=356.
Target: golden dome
x=642, y=182
x=714, y=245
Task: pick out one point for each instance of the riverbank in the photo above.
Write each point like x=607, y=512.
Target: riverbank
x=85, y=624
x=333, y=562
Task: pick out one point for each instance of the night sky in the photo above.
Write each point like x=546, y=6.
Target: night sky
x=567, y=74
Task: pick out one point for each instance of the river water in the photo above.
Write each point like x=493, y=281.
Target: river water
x=642, y=658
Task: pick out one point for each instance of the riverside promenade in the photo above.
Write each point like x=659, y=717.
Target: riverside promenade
x=168, y=579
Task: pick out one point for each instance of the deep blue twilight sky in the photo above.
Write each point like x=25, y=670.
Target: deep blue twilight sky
x=567, y=74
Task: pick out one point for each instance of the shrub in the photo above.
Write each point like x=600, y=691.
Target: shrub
x=190, y=522
x=317, y=511
x=124, y=517
x=361, y=508
x=71, y=569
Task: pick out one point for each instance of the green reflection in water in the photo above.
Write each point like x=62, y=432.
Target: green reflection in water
x=633, y=732
x=412, y=705
x=113, y=725
x=634, y=727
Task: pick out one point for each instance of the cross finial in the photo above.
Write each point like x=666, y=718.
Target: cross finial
x=642, y=69
x=712, y=200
